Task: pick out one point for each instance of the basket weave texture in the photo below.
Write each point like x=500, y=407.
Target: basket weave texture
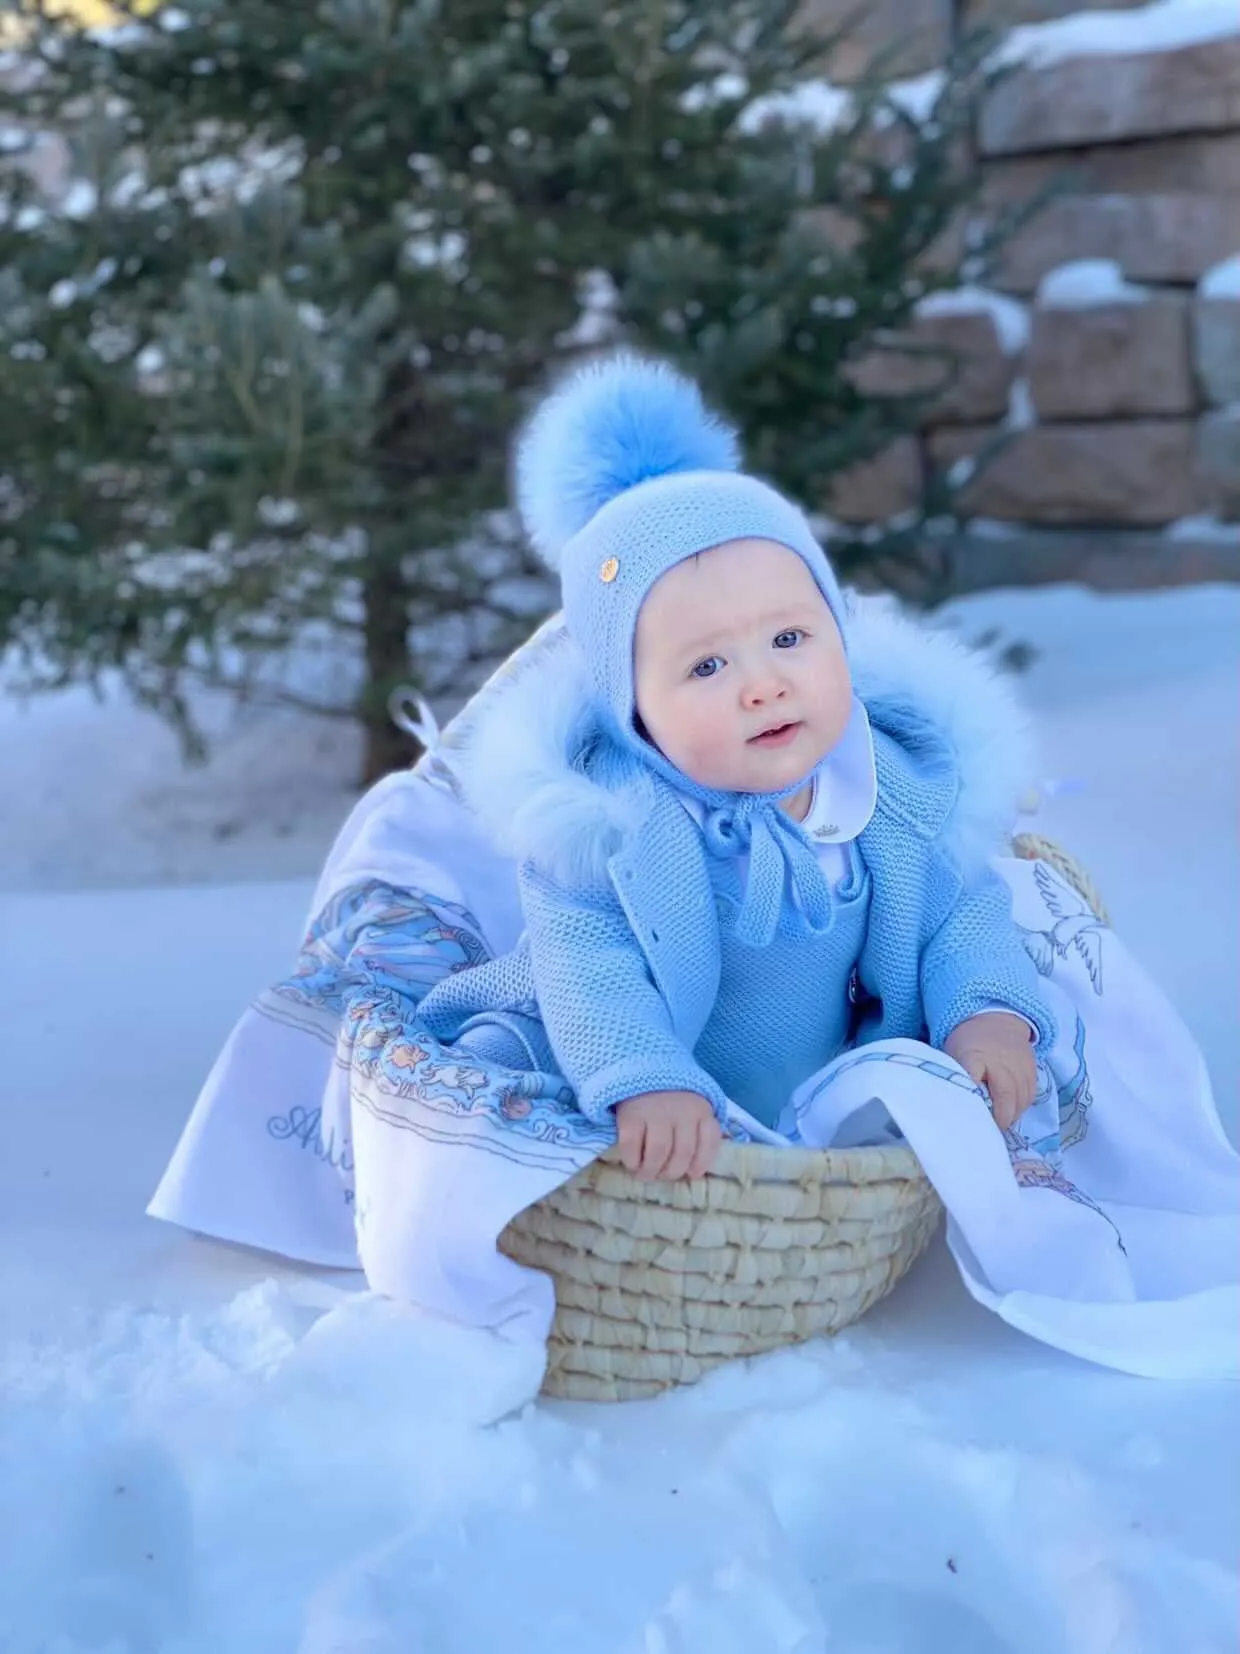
x=658, y=1282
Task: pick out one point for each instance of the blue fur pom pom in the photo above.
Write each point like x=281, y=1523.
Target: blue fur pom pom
x=610, y=426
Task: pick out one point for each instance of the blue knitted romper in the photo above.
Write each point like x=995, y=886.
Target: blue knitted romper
x=749, y=1045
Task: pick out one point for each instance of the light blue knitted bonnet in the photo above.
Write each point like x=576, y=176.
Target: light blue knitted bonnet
x=621, y=474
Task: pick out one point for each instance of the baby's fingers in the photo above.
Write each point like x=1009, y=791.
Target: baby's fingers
x=660, y=1139
x=974, y=1065
x=1005, y=1095
x=684, y=1148
x=630, y=1136
x=709, y=1137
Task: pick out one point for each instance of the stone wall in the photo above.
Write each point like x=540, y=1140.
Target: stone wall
x=1094, y=425
x=1100, y=379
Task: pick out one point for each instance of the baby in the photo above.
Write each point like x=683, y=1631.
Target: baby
x=733, y=863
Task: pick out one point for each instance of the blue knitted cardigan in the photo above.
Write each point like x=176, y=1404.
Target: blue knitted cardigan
x=621, y=951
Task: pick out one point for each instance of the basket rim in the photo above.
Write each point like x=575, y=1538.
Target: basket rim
x=777, y=1163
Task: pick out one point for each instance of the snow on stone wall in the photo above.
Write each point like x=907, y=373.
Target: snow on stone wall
x=1114, y=328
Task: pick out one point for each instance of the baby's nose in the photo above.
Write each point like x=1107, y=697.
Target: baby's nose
x=761, y=691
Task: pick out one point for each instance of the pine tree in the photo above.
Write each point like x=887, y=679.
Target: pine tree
x=261, y=364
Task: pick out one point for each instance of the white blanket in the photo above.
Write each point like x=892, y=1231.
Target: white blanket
x=1107, y=1224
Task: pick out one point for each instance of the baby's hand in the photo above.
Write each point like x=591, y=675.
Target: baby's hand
x=667, y=1134
x=995, y=1049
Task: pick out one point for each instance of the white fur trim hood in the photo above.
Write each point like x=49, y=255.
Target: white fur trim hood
x=518, y=761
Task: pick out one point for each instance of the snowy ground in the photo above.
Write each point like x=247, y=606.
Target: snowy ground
x=104, y=800
x=194, y=1457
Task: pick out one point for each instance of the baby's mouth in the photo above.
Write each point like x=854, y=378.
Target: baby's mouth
x=777, y=735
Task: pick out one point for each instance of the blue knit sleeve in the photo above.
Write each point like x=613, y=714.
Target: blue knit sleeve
x=608, y=1024
x=975, y=959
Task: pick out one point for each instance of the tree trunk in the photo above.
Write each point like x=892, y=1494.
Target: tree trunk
x=387, y=748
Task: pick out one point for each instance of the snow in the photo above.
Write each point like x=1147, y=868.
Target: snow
x=1011, y=318
x=267, y=805
x=1166, y=25
x=80, y=199
x=1222, y=281
x=725, y=88
x=597, y=325
x=1204, y=528
x=992, y=528
x=815, y=103
x=1085, y=282
x=1162, y=27
x=825, y=107
x=918, y=95
x=432, y=252
x=841, y=306
x=202, y=1448
x=1021, y=413
x=522, y=595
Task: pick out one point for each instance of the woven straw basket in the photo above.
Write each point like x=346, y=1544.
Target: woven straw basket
x=657, y=1282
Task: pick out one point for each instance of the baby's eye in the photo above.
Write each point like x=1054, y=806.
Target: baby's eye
x=708, y=667
x=789, y=639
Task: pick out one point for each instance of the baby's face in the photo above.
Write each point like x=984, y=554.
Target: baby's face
x=740, y=673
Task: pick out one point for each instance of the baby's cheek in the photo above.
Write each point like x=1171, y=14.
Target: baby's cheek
x=700, y=754
x=705, y=746
x=837, y=707
x=840, y=714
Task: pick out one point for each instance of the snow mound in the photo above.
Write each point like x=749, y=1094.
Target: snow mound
x=1162, y=27
x=1085, y=282
x=1204, y=528
x=1222, y=281
x=917, y=96
x=824, y=106
x=815, y=103
x=1011, y=318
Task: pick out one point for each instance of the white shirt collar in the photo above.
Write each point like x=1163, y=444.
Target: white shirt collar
x=845, y=786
